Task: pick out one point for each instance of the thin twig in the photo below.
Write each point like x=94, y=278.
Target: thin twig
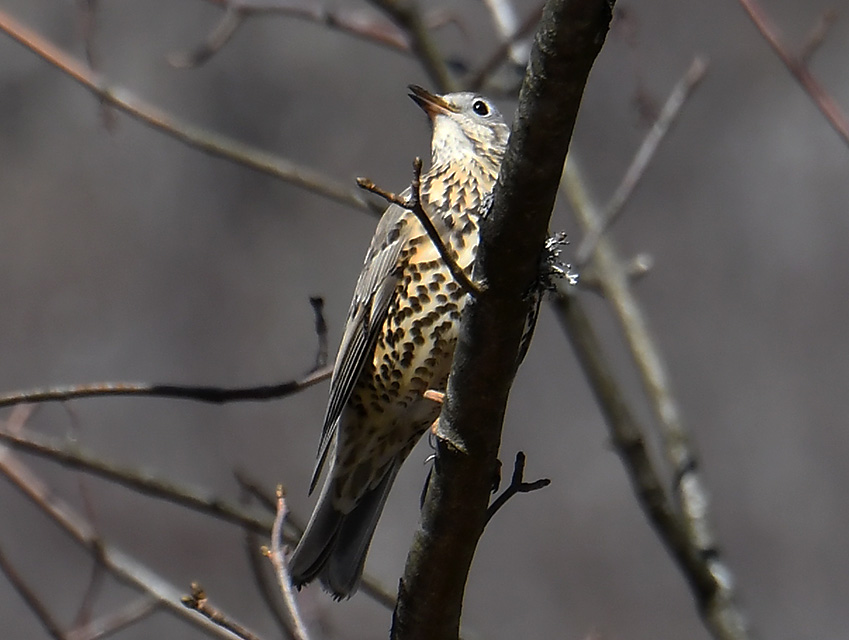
x=796, y=66
x=31, y=599
x=517, y=485
x=668, y=115
x=414, y=205
x=124, y=567
x=406, y=14
x=278, y=559
x=197, y=601
x=317, y=303
x=95, y=581
x=135, y=479
x=220, y=35
x=507, y=24
x=252, y=489
x=479, y=78
x=266, y=586
x=114, y=621
x=816, y=36
x=214, y=395
x=196, y=137
x=355, y=23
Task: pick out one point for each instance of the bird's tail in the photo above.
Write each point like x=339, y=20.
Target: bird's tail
x=334, y=544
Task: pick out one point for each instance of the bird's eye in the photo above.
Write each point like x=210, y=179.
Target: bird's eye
x=480, y=107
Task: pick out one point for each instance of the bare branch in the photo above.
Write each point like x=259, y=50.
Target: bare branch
x=507, y=24
x=197, y=601
x=414, y=205
x=123, y=566
x=267, y=587
x=220, y=35
x=796, y=66
x=671, y=109
x=320, y=331
x=278, y=559
x=354, y=23
x=30, y=598
x=479, y=78
x=115, y=621
x=716, y=596
x=406, y=14
x=196, y=137
x=816, y=36
x=135, y=479
x=517, y=485
x=214, y=395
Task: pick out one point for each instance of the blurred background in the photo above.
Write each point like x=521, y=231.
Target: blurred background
x=125, y=255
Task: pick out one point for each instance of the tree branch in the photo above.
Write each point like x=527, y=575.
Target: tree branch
x=668, y=114
x=114, y=621
x=278, y=559
x=406, y=14
x=144, y=483
x=214, y=395
x=197, y=601
x=512, y=238
x=30, y=598
x=354, y=23
x=710, y=579
x=196, y=137
x=796, y=66
x=124, y=567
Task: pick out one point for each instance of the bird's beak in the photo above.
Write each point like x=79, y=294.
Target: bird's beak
x=432, y=104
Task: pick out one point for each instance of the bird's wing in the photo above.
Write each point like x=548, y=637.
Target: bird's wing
x=372, y=296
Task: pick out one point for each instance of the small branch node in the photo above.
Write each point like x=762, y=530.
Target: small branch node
x=517, y=485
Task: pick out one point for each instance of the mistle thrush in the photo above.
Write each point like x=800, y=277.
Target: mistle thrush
x=399, y=339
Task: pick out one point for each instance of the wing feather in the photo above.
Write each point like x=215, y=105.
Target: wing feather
x=373, y=294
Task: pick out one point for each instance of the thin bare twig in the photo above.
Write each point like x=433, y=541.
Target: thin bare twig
x=406, y=14
x=517, y=485
x=124, y=567
x=816, y=36
x=31, y=599
x=135, y=479
x=355, y=23
x=278, y=559
x=479, y=78
x=214, y=395
x=507, y=24
x=197, y=601
x=317, y=303
x=414, y=204
x=196, y=137
x=266, y=586
x=114, y=621
x=796, y=66
x=220, y=35
x=671, y=109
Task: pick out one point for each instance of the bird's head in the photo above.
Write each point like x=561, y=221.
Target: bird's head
x=465, y=126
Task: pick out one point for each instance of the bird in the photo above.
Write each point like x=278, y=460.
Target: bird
x=399, y=340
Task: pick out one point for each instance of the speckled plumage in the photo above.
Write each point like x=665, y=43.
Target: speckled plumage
x=399, y=339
